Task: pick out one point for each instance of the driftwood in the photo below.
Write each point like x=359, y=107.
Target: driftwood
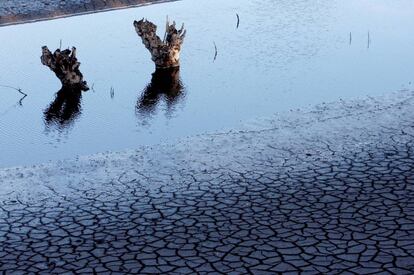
x=66, y=67
x=165, y=83
x=65, y=108
x=165, y=53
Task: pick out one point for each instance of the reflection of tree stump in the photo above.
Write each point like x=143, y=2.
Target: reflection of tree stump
x=66, y=67
x=164, y=83
x=165, y=53
x=65, y=108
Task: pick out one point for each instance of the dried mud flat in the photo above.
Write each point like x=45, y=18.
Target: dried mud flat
x=329, y=190
x=23, y=11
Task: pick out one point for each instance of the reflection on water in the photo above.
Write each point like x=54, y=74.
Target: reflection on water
x=284, y=55
x=165, y=85
x=64, y=109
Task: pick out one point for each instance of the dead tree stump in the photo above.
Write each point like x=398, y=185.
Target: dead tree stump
x=66, y=67
x=165, y=53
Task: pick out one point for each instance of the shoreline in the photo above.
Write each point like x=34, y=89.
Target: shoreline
x=335, y=126
x=328, y=189
x=84, y=8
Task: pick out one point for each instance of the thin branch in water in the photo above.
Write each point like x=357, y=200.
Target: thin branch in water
x=238, y=20
x=369, y=40
x=350, y=38
x=14, y=88
x=112, y=92
x=60, y=44
x=93, y=90
x=216, y=52
x=21, y=100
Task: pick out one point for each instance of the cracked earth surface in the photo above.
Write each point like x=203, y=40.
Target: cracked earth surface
x=19, y=11
x=330, y=190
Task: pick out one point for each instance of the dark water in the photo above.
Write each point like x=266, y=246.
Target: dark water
x=284, y=55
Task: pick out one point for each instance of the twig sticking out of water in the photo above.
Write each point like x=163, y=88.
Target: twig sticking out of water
x=369, y=40
x=60, y=44
x=238, y=20
x=92, y=88
x=16, y=89
x=166, y=30
x=350, y=38
x=112, y=92
x=21, y=100
x=216, y=52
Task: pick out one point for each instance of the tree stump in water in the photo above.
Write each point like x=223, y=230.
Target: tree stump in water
x=165, y=53
x=66, y=67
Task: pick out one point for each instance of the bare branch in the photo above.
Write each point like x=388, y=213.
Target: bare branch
x=16, y=89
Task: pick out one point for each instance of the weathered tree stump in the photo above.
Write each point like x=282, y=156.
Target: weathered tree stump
x=165, y=53
x=66, y=67
x=165, y=83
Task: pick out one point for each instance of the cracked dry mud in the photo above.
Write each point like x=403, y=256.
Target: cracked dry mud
x=326, y=191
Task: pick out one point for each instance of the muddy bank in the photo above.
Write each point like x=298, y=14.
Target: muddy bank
x=23, y=11
x=324, y=134
x=327, y=190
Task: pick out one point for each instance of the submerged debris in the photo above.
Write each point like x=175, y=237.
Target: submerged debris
x=165, y=53
x=66, y=67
